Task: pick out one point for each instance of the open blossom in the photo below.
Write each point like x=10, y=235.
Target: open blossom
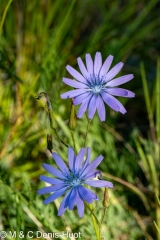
x=72, y=180
x=96, y=86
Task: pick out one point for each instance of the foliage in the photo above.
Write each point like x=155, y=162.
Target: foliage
x=39, y=38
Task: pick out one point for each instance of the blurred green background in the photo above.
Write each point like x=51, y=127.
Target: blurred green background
x=38, y=39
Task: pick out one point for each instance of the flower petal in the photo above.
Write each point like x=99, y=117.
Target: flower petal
x=101, y=108
x=83, y=107
x=99, y=183
x=73, y=93
x=72, y=198
x=64, y=203
x=106, y=66
x=79, y=159
x=50, y=180
x=92, y=166
x=60, y=163
x=80, y=205
x=86, y=194
x=93, y=174
x=81, y=98
x=113, y=102
x=75, y=74
x=74, y=83
x=113, y=72
x=71, y=158
x=53, y=171
x=121, y=107
x=55, y=195
x=120, y=80
x=120, y=92
x=89, y=63
x=82, y=68
x=86, y=163
x=97, y=63
x=50, y=189
x=92, y=107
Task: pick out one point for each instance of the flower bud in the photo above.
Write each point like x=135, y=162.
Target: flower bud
x=106, y=202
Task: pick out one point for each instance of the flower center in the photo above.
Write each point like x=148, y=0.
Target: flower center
x=95, y=84
x=97, y=88
x=75, y=182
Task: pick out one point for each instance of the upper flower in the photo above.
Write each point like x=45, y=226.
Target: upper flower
x=73, y=178
x=96, y=85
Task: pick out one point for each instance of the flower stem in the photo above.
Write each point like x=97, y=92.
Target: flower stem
x=104, y=213
x=73, y=139
x=55, y=131
x=52, y=125
x=94, y=220
x=72, y=124
x=89, y=121
x=95, y=227
x=100, y=226
x=50, y=114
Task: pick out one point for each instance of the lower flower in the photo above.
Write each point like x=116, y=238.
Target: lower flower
x=72, y=180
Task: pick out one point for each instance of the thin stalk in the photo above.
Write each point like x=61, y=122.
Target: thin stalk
x=104, y=213
x=100, y=226
x=158, y=221
x=52, y=125
x=148, y=102
x=73, y=140
x=157, y=225
x=4, y=15
x=95, y=227
x=94, y=220
x=158, y=230
x=89, y=121
x=72, y=124
x=55, y=131
x=51, y=117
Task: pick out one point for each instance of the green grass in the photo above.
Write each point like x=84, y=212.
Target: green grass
x=38, y=39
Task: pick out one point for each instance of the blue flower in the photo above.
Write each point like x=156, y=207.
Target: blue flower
x=96, y=85
x=72, y=179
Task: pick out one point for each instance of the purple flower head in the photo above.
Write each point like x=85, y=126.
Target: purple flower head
x=96, y=85
x=72, y=180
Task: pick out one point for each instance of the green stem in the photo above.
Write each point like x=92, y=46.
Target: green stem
x=89, y=121
x=100, y=226
x=55, y=131
x=95, y=227
x=50, y=114
x=94, y=220
x=4, y=15
x=52, y=125
x=73, y=139
x=104, y=213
